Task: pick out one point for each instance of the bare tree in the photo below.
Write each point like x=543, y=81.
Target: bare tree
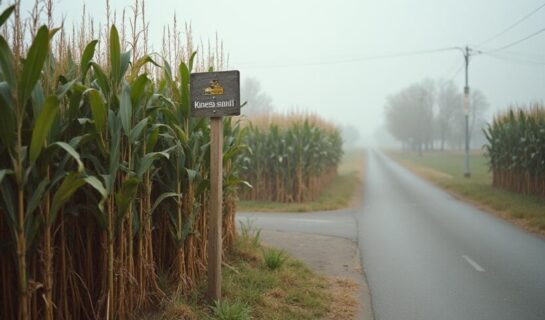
x=478, y=107
x=258, y=102
x=409, y=115
x=449, y=109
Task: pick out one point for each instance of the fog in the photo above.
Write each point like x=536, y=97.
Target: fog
x=341, y=59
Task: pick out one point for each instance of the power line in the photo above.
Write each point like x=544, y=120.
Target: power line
x=516, y=42
x=354, y=59
x=514, y=59
x=513, y=25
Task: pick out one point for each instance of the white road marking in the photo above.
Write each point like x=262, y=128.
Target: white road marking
x=473, y=264
x=310, y=220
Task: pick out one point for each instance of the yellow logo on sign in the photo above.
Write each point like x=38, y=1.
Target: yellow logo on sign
x=214, y=89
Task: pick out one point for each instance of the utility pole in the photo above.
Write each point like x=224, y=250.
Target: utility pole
x=467, y=173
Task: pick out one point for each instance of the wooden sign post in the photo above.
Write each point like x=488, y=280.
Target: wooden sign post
x=214, y=95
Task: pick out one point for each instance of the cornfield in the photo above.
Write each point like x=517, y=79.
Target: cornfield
x=516, y=150
x=289, y=158
x=103, y=175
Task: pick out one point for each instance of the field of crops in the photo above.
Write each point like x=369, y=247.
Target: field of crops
x=103, y=175
x=289, y=158
x=516, y=149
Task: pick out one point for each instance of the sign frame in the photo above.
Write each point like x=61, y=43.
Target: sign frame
x=215, y=94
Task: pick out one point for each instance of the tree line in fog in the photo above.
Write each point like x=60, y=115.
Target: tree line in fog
x=430, y=115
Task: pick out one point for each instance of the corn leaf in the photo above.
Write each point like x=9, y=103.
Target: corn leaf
x=7, y=63
x=6, y=14
x=115, y=55
x=70, y=184
x=137, y=130
x=42, y=126
x=37, y=196
x=125, y=110
x=33, y=65
x=147, y=160
x=98, y=109
x=72, y=152
x=162, y=197
x=7, y=117
x=88, y=54
x=101, y=78
x=98, y=186
x=126, y=195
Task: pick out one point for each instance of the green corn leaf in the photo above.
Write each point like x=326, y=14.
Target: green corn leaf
x=101, y=78
x=137, y=130
x=138, y=88
x=98, y=186
x=72, y=152
x=32, y=228
x=6, y=192
x=185, y=98
x=139, y=64
x=70, y=184
x=147, y=160
x=98, y=109
x=7, y=63
x=191, y=60
x=162, y=197
x=3, y=173
x=115, y=55
x=6, y=14
x=37, y=196
x=43, y=125
x=38, y=99
x=88, y=54
x=33, y=65
x=7, y=117
x=126, y=195
x=191, y=174
x=125, y=61
x=114, y=151
x=63, y=90
x=125, y=110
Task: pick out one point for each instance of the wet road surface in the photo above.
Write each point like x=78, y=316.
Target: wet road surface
x=429, y=256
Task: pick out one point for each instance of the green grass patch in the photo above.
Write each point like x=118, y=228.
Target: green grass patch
x=252, y=290
x=274, y=258
x=340, y=193
x=446, y=169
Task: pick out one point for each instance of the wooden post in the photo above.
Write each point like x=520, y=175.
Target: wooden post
x=215, y=95
x=216, y=209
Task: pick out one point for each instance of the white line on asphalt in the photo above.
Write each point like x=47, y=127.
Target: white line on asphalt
x=311, y=220
x=473, y=264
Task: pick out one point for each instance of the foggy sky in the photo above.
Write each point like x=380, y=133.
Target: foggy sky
x=305, y=53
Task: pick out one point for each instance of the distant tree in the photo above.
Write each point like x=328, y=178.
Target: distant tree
x=478, y=116
x=409, y=115
x=449, y=109
x=478, y=108
x=258, y=102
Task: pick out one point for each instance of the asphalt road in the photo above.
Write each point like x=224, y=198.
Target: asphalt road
x=429, y=256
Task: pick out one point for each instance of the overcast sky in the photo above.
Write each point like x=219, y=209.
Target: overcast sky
x=309, y=53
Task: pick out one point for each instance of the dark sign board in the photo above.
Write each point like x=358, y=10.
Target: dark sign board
x=215, y=94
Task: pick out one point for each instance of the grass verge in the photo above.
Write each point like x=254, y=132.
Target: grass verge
x=446, y=170
x=252, y=290
x=340, y=193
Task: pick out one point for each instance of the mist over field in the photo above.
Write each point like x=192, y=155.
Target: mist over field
x=343, y=60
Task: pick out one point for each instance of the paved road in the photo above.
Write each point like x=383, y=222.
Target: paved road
x=429, y=256
x=341, y=224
